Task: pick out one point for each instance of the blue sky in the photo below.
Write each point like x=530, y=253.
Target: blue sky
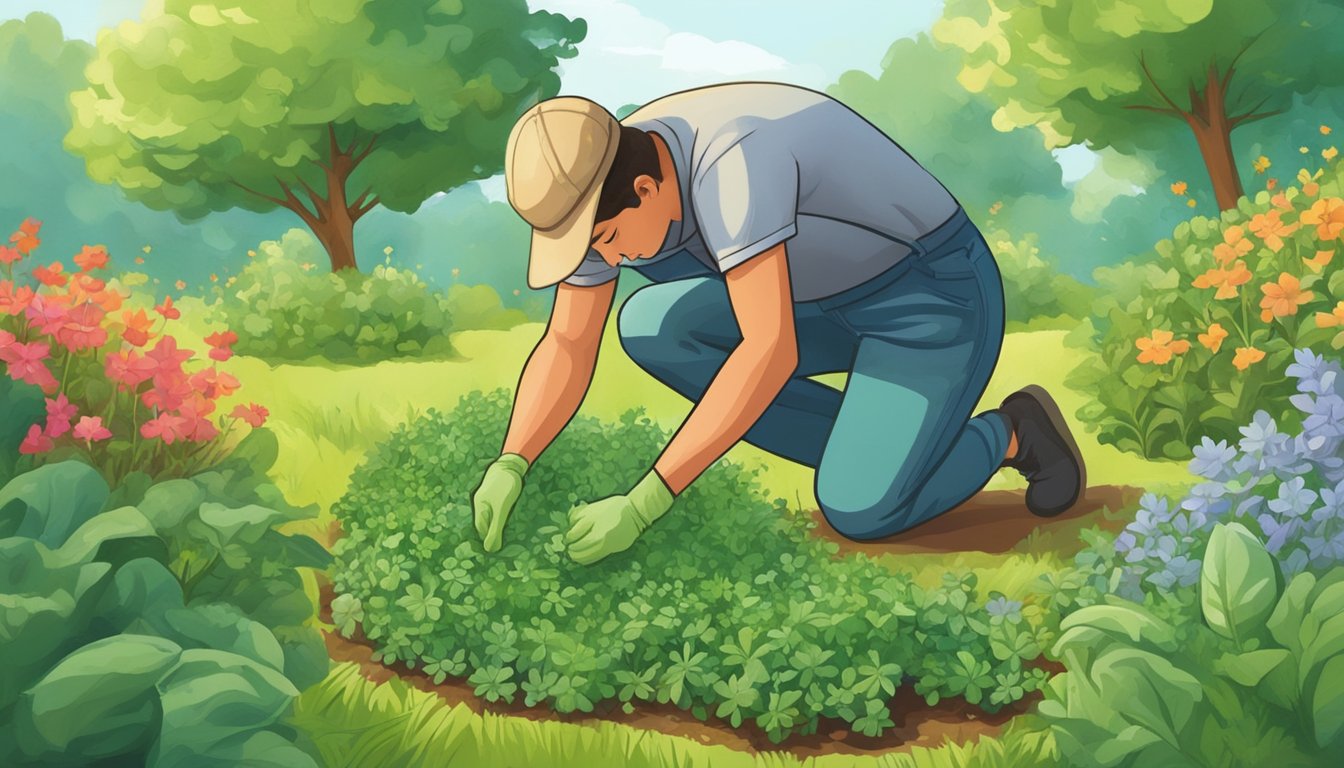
x=638, y=50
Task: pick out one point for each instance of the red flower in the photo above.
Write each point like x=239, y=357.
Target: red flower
x=91, y=257
x=82, y=328
x=26, y=238
x=168, y=356
x=137, y=327
x=9, y=255
x=46, y=313
x=253, y=414
x=220, y=344
x=27, y=363
x=36, y=442
x=214, y=384
x=170, y=389
x=30, y=226
x=52, y=275
x=166, y=309
x=14, y=300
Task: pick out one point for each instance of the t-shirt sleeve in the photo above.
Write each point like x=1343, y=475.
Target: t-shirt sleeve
x=592, y=271
x=746, y=201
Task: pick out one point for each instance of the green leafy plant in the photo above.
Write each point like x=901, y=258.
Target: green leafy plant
x=726, y=607
x=1257, y=681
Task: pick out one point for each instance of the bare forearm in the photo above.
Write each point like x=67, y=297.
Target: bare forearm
x=744, y=387
x=552, y=386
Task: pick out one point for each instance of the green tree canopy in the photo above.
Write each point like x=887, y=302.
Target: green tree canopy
x=326, y=109
x=1120, y=73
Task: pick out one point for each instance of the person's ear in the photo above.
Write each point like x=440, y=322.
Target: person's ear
x=645, y=186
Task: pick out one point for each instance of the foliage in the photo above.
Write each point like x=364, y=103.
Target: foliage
x=328, y=114
x=1136, y=74
x=284, y=311
x=725, y=607
x=116, y=653
x=1257, y=682
x=1032, y=289
x=106, y=359
x=1189, y=343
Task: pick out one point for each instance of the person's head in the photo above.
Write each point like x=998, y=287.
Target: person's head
x=636, y=205
x=582, y=180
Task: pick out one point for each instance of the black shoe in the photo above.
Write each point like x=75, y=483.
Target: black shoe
x=1047, y=454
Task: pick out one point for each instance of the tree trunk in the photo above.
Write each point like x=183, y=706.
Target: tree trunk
x=336, y=227
x=1209, y=121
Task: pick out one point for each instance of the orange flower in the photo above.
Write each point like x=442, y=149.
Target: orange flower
x=137, y=327
x=1270, y=228
x=1319, y=261
x=1325, y=130
x=1327, y=214
x=1234, y=246
x=1271, y=183
x=26, y=238
x=14, y=301
x=52, y=275
x=1245, y=356
x=1309, y=185
x=1214, y=338
x=1330, y=153
x=1283, y=298
x=167, y=310
x=1225, y=280
x=91, y=257
x=1331, y=319
x=181, y=284
x=1281, y=201
x=1179, y=188
x=1159, y=348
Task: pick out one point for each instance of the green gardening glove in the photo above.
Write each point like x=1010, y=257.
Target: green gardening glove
x=495, y=497
x=611, y=525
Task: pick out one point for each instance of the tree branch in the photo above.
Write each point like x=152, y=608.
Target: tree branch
x=318, y=200
x=1227, y=76
x=1158, y=110
x=1144, y=64
x=263, y=195
x=359, y=200
x=332, y=146
x=359, y=211
x=298, y=207
x=363, y=153
x=1251, y=117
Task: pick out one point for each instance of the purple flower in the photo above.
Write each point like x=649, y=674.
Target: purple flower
x=1002, y=606
x=1294, y=498
x=1211, y=459
x=1262, y=435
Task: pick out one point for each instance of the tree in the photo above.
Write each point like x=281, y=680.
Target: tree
x=1118, y=73
x=292, y=104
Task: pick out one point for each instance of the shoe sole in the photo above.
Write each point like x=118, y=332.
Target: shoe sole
x=1057, y=421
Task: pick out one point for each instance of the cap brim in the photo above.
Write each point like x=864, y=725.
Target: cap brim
x=558, y=251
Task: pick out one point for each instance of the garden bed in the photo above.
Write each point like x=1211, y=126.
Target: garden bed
x=916, y=723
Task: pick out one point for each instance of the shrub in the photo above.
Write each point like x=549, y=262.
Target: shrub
x=1189, y=343
x=1254, y=680
x=726, y=606
x=286, y=309
x=165, y=633
x=1033, y=291
x=137, y=405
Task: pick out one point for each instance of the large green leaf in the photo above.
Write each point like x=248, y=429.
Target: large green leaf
x=1251, y=667
x=1327, y=702
x=1129, y=622
x=1147, y=690
x=1286, y=619
x=60, y=497
x=122, y=523
x=1238, y=582
x=99, y=701
x=168, y=503
x=142, y=592
x=224, y=627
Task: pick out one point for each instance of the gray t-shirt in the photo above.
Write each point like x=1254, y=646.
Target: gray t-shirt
x=760, y=163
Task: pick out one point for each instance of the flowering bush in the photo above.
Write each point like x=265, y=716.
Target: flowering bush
x=123, y=399
x=1189, y=343
x=1289, y=487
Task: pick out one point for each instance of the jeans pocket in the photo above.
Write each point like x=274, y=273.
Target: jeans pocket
x=954, y=264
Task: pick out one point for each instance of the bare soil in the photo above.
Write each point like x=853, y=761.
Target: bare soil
x=993, y=521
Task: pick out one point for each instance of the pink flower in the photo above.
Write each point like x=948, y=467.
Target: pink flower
x=46, y=313
x=214, y=383
x=170, y=389
x=14, y=300
x=129, y=369
x=82, y=328
x=91, y=428
x=36, y=442
x=59, y=413
x=27, y=363
x=255, y=415
x=165, y=426
x=167, y=355
x=201, y=430
x=9, y=255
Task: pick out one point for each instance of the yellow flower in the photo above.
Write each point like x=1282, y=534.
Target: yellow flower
x=1234, y=245
x=1270, y=228
x=1331, y=319
x=251, y=254
x=387, y=251
x=1261, y=164
x=146, y=249
x=1214, y=338
x=456, y=271
x=1159, y=348
x=1325, y=130
x=1179, y=188
x=1246, y=356
x=1303, y=150
x=1319, y=261
x=1191, y=203
x=1283, y=298
x=1327, y=214
x=1329, y=153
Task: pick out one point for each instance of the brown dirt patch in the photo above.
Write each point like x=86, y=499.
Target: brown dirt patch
x=917, y=724
x=991, y=521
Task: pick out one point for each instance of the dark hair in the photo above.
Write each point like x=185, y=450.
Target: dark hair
x=636, y=156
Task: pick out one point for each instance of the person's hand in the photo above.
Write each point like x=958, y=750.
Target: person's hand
x=611, y=525
x=495, y=497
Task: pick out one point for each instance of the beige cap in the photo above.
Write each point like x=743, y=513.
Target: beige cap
x=557, y=157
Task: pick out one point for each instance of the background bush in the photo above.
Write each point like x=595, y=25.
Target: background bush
x=1162, y=373
x=1035, y=292
x=285, y=307
x=726, y=606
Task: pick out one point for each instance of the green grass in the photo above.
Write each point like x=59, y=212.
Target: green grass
x=357, y=723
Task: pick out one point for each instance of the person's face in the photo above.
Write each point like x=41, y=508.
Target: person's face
x=638, y=233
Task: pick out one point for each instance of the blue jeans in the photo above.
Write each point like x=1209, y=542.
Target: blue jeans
x=899, y=445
